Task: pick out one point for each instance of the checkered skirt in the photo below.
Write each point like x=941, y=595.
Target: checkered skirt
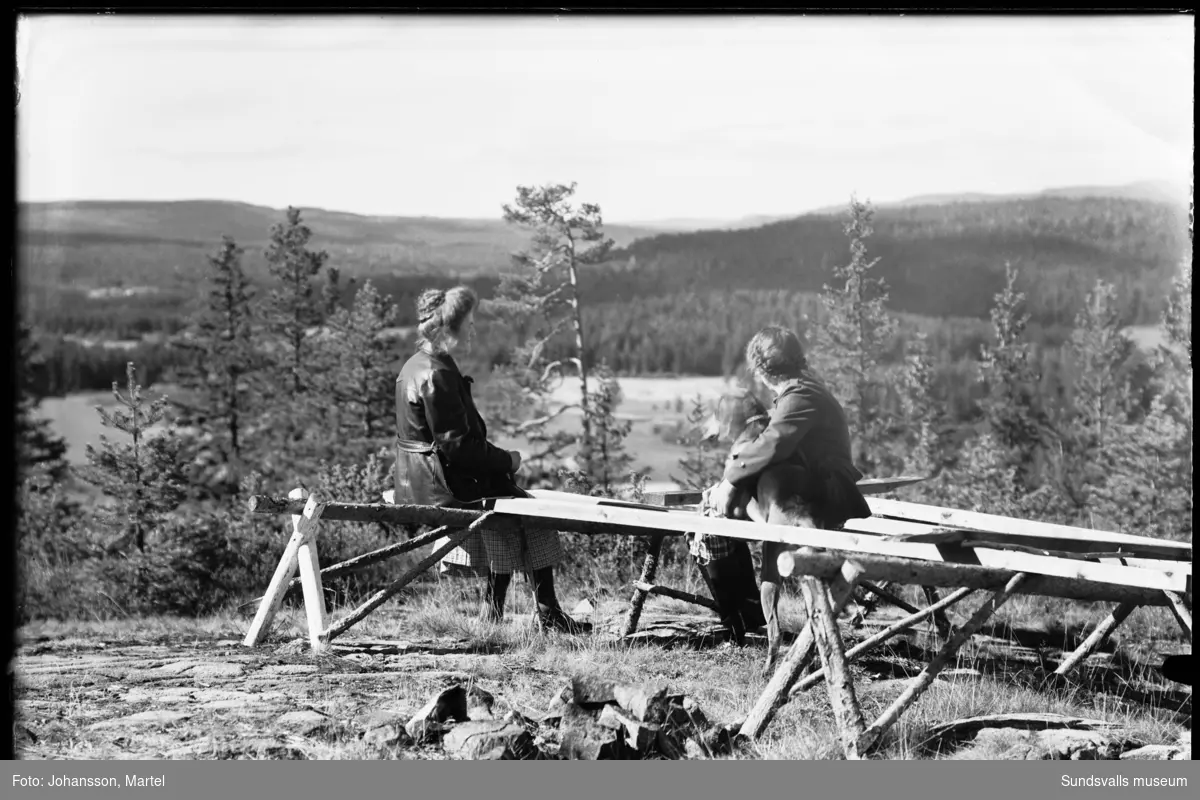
x=502, y=552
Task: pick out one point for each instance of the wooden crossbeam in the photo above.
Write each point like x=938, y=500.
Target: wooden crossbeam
x=636, y=521
x=898, y=627
x=925, y=679
x=948, y=575
x=675, y=594
x=1096, y=637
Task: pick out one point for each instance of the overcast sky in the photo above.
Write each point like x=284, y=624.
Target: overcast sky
x=654, y=117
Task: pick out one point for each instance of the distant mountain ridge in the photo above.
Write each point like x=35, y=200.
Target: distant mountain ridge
x=1153, y=191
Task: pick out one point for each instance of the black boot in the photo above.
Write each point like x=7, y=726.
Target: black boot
x=752, y=610
x=549, y=614
x=735, y=592
x=495, y=594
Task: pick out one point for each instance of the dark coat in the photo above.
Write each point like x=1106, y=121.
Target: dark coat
x=443, y=456
x=807, y=428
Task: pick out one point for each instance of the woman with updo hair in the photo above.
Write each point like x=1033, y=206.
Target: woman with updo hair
x=444, y=458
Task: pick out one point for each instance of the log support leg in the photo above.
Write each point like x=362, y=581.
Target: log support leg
x=940, y=621
x=923, y=681
x=649, y=570
x=1181, y=607
x=813, y=678
x=833, y=654
x=299, y=552
x=379, y=598
x=797, y=657
x=1096, y=638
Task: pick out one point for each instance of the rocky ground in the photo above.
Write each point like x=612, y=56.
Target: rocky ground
x=87, y=698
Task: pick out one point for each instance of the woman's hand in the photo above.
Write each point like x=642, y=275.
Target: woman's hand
x=718, y=499
x=516, y=460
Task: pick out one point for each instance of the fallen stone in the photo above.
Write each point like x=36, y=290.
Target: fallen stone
x=557, y=707
x=684, y=717
x=491, y=740
x=584, y=608
x=304, y=723
x=1054, y=745
x=386, y=729
x=479, y=704
x=144, y=718
x=429, y=723
x=641, y=736
x=670, y=746
x=582, y=739
x=595, y=692
x=1152, y=752
x=647, y=702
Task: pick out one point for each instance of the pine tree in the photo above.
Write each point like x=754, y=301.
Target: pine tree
x=220, y=340
x=853, y=338
x=541, y=298
x=705, y=461
x=145, y=476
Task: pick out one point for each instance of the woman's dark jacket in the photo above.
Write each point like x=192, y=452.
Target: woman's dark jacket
x=807, y=428
x=443, y=456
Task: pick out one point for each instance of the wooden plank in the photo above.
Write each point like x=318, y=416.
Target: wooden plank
x=925, y=679
x=1056, y=545
x=994, y=523
x=617, y=520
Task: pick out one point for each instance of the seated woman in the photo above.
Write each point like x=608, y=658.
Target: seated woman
x=444, y=458
x=799, y=470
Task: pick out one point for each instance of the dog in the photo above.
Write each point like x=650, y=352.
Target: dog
x=741, y=417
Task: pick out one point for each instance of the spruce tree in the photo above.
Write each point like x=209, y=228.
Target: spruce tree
x=851, y=342
x=220, y=340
